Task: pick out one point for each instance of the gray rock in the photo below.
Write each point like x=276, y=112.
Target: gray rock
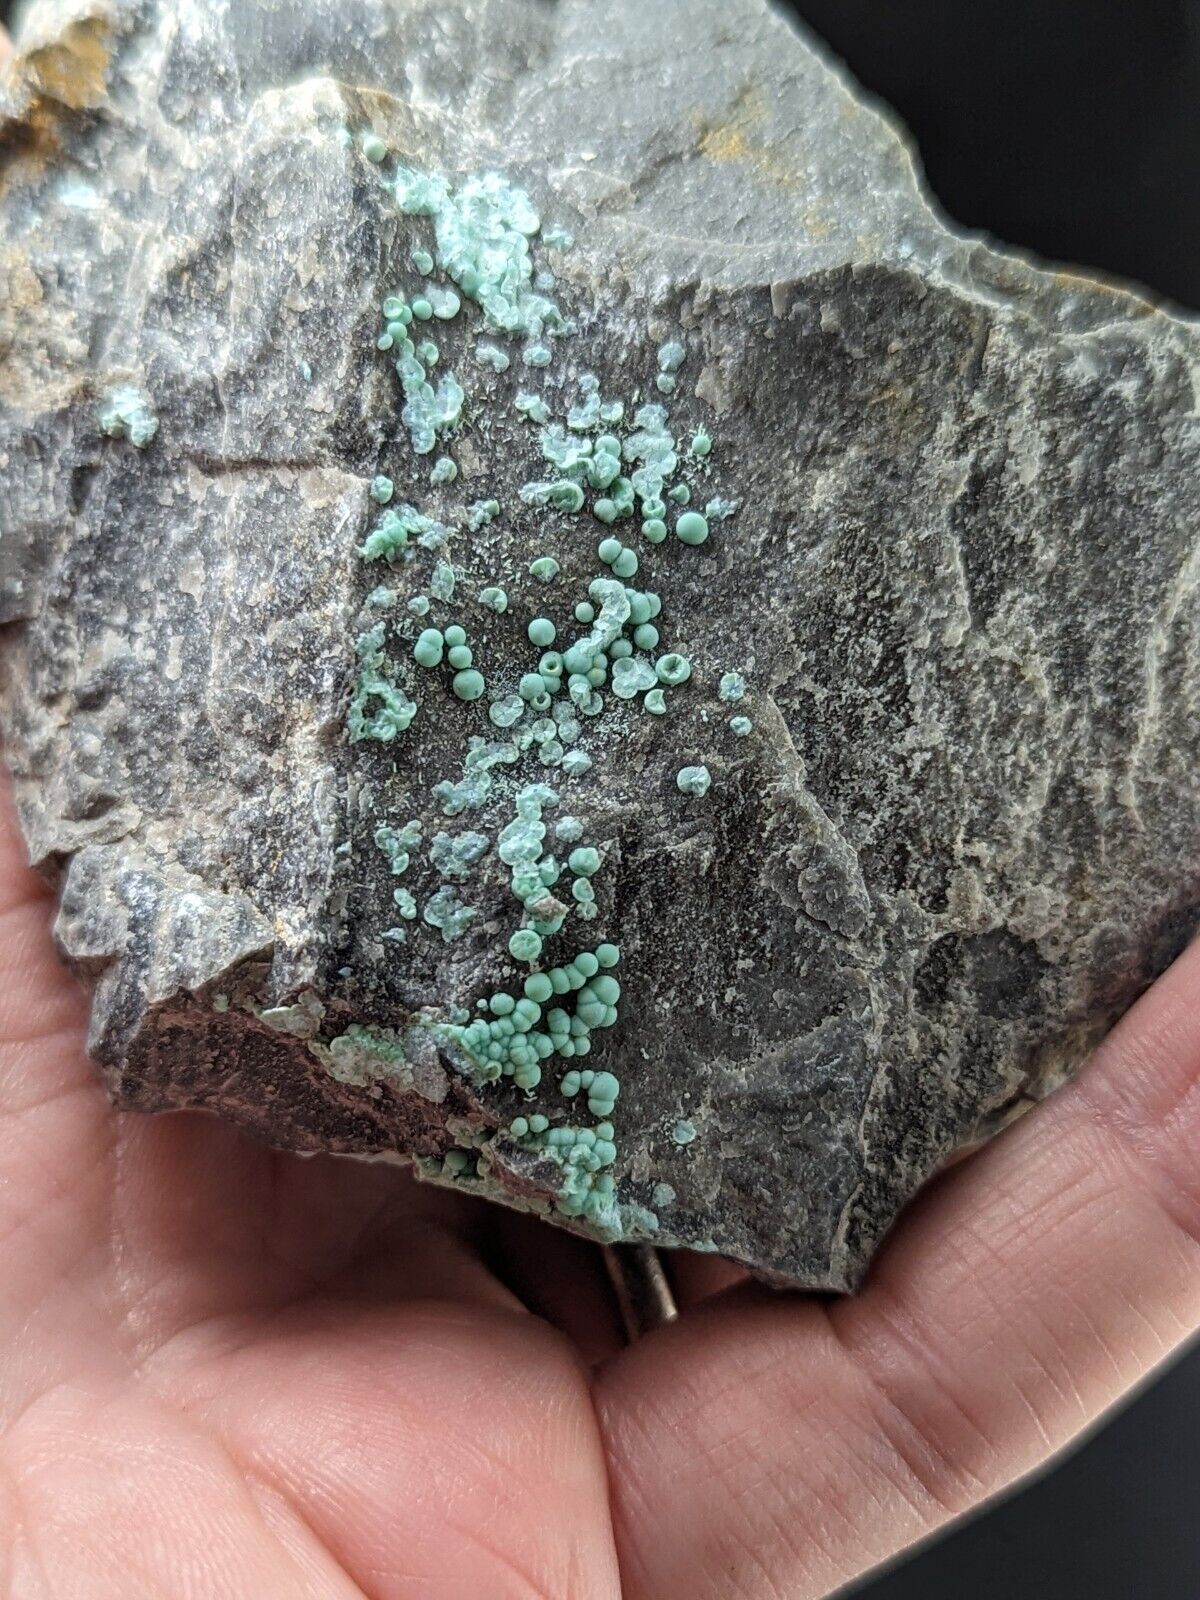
x=961, y=585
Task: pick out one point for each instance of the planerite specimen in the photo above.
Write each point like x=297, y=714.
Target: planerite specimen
x=558, y=624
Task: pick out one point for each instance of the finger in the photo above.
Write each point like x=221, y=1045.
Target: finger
x=789, y=1446
x=431, y=1450
x=215, y=1229
x=695, y=1278
x=41, y=1007
x=560, y=1278
x=425, y=1244
x=53, y=1124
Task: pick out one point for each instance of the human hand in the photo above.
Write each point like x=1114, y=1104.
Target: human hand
x=232, y=1372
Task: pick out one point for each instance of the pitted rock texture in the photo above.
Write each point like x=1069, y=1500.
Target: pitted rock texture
x=962, y=585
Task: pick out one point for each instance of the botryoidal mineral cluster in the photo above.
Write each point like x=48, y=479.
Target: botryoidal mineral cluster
x=560, y=625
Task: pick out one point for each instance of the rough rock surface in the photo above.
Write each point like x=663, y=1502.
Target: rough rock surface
x=961, y=584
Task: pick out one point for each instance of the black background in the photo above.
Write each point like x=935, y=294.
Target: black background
x=1067, y=126
x=1072, y=128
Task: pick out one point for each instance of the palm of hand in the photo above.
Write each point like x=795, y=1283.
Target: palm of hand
x=229, y=1372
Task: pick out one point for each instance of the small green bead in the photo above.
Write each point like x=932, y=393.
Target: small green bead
x=608, y=550
x=542, y=632
x=531, y=686
x=655, y=702
x=578, y=657
x=680, y=494
x=620, y=650
x=626, y=564
x=455, y=635
x=374, y=148
x=645, y=636
x=691, y=528
x=382, y=490
x=605, y=510
x=585, y=612
x=525, y=945
x=460, y=657
x=422, y=310
x=584, y=862
x=608, y=955
x=393, y=306
x=544, y=569
x=551, y=665
x=741, y=726
x=605, y=1087
x=468, y=685
x=538, y=987
x=655, y=529
x=502, y=1005
x=673, y=668
x=506, y=713
x=427, y=652
x=495, y=599
x=695, y=781
x=701, y=443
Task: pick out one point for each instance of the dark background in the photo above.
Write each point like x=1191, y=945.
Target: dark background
x=1071, y=128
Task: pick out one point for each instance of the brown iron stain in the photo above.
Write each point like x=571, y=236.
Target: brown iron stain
x=733, y=139
x=48, y=85
x=41, y=92
x=73, y=70
x=38, y=370
x=1124, y=300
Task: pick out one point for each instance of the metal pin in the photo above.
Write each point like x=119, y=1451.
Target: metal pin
x=640, y=1283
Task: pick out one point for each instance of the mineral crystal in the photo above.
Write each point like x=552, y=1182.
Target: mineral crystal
x=423, y=424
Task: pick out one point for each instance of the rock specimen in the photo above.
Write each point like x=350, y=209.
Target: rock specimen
x=558, y=623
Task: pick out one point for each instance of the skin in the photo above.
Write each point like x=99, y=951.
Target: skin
x=229, y=1372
